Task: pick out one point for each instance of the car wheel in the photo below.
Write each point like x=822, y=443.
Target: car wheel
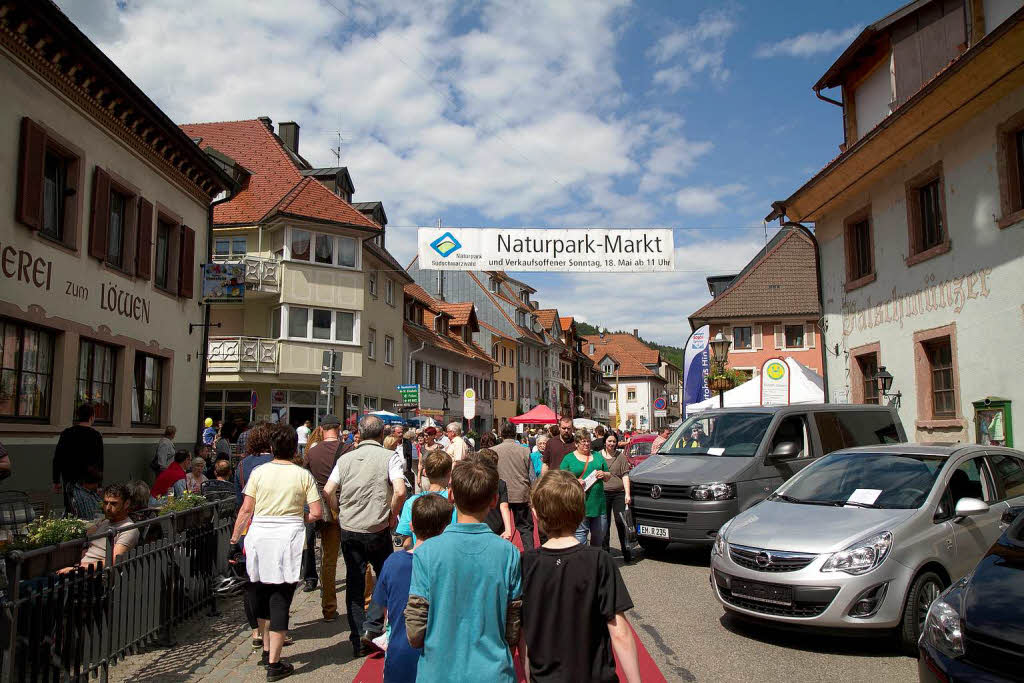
x=922, y=593
x=652, y=545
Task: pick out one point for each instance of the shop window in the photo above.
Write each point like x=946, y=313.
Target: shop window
x=26, y=371
x=926, y=211
x=49, y=179
x=860, y=259
x=742, y=338
x=146, y=397
x=96, y=379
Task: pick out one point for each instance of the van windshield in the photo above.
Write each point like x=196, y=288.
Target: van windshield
x=730, y=435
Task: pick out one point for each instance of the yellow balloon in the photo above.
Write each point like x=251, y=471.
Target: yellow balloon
x=209, y=422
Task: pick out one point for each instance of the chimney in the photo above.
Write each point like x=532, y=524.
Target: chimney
x=265, y=120
x=636, y=333
x=289, y=132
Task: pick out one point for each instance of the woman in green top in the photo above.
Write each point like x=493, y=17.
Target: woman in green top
x=582, y=462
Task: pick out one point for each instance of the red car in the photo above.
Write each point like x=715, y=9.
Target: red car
x=638, y=448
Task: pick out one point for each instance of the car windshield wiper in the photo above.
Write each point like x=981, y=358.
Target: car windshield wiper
x=853, y=503
x=800, y=501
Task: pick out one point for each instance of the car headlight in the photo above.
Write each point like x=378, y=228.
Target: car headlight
x=942, y=629
x=716, y=491
x=719, y=547
x=861, y=557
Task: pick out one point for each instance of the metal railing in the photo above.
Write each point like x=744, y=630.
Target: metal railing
x=74, y=626
x=242, y=354
x=261, y=274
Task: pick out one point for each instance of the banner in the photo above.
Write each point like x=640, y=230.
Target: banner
x=578, y=250
x=696, y=363
x=775, y=382
x=223, y=283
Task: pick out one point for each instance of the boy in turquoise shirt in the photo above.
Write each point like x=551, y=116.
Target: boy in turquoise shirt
x=465, y=596
x=438, y=468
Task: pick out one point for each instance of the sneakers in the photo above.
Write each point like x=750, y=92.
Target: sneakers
x=279, y=670
x=310, y=586
x=264, y=659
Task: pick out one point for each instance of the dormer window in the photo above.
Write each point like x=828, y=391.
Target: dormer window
x=525, y=296
x=521, y=318
x=467, y=336
x=441, y=325
x=495, y=284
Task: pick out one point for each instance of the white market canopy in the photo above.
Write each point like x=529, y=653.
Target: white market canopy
x=806, y=386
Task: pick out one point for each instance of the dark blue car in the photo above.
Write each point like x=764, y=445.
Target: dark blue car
x=975, y=630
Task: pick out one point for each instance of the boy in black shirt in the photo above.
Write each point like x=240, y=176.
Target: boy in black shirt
x=573, y=596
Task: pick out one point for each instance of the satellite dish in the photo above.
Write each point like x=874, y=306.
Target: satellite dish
x=536, y=327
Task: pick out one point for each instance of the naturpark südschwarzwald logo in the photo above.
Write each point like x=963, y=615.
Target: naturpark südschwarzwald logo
x=446, y=244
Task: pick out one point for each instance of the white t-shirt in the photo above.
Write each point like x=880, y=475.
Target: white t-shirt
x=303, y=433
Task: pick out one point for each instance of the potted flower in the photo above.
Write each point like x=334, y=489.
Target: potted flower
x=724, y=379
x=190, y=510
x=45, y=532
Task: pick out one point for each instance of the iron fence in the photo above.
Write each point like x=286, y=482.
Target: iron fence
x=61, y=627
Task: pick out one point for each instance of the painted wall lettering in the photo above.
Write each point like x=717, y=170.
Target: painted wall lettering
x=18, y=264
x=123, y=302
x=953, y=293
x=77, y=291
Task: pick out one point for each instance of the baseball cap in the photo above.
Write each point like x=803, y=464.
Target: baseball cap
x=330, y=420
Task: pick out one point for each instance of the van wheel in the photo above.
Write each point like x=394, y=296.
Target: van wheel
x=652, y=545
x=925, y=589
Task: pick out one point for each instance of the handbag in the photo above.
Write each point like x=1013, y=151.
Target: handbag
x=631, y=540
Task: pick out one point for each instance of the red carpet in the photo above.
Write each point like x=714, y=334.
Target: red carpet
x=372, y=670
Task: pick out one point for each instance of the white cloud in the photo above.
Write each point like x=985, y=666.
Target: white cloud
x=694, y=50
x=705, y=199
x=809, y=44
x=698, y=254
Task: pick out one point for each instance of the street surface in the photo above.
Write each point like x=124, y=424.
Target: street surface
x=676, y=616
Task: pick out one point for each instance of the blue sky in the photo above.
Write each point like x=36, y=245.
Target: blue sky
x=604, y=113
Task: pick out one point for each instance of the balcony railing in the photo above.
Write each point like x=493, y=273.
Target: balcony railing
x=261, y=274
x=242, y=354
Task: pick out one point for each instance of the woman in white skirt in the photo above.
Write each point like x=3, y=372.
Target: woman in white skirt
x=275, y=497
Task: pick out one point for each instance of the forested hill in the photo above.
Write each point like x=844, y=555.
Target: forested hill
x=672, y=354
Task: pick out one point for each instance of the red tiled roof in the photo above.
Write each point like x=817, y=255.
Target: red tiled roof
x=460, y=312
x=449, y=342
x=420, y=294
x=628, y=342
x=275, y=183
x=312, y=200
x=781, y=279
x=547, y=317
x=566, y=323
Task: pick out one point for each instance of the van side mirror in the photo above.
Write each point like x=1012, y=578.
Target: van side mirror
x=968, y=507
x=784, y=450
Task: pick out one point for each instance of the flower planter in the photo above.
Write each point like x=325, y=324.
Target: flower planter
x=720, y=383
x=45, y=563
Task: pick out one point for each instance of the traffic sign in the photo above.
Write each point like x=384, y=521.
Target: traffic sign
x=660, y=403
x=410, y=393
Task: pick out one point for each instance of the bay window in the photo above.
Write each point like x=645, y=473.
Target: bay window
x=315, y=324
x=322, y=248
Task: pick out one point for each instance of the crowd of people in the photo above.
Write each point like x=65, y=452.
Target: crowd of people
x=427, y=522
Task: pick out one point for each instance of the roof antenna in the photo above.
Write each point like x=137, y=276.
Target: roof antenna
x=336, y=151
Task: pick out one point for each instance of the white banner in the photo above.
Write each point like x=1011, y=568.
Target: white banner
x=580, y=250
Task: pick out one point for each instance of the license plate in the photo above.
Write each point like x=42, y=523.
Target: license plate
x=767, y=593
x=656, y=531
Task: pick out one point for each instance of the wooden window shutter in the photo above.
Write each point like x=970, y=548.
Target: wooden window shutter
x=100, y=214
x=780, y=339
x=755, y=337
x=809, y=335
x=29, y=202
x=144, y=240
x=186, y=274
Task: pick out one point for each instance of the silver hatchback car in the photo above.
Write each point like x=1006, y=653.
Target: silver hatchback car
x=866, y=538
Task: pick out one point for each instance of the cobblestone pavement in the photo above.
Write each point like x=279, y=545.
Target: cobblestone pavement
x=212, y=649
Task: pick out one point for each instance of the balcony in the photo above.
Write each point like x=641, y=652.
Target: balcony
x=242, y=354
x=261, y=274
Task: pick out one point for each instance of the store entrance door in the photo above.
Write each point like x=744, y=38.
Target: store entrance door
x=299, y=414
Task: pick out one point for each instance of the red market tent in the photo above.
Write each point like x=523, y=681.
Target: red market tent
x=541, y=415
